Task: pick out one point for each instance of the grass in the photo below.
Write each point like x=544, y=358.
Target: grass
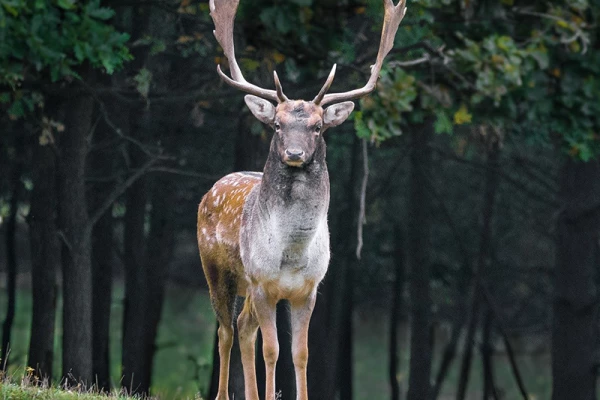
x=24, y=392
x=29, y=388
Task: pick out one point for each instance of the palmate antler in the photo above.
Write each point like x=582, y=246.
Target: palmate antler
x=223, y=14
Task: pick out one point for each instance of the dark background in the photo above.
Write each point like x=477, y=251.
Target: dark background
x=477, y=276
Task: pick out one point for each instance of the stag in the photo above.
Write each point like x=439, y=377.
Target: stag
x=264, y=235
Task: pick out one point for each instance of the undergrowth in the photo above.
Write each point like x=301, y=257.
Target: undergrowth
x=29, y=387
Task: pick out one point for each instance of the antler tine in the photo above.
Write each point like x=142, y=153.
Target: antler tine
x=280, y=96
x=223, y=14
x=391, y=20
x=317, y=100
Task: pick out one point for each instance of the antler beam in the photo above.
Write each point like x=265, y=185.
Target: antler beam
x=391, y=20
x=223, y=14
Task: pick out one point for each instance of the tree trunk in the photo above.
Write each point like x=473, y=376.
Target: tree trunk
x=575, y=330
x=102, y=264
x=327, y=326
x=465, y=366
x=76, y=235
x=161, y=244
x=449, y=352
x=397, y=289
x=345, y=363
x=11, y=261
x=418, y=245
x=489, y=197
x=45, y=259
x=102, y=251
x=487, y=352
x=134, y=356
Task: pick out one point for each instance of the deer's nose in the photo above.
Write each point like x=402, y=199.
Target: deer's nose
x=294, y=154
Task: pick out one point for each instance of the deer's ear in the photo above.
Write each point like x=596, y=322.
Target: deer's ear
x=337, y=113
x=261, y=108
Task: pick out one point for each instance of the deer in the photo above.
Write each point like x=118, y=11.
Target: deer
x=264, y=236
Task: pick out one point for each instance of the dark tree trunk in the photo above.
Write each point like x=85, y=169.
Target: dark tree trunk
x=465, y=366
x=326, y=327
x=397, y=289
x=345, y=366
x=418, y=245
x=161, y=243
x=213, y=387
x=11, y=262
x=45, y=259
x=487, y=352
x=321, y=364
x=285, y=374
x=489, y=197
x=102, y=249
x=134, y=355
x=345, y=363
x=102, y=273
x=449, y=353
x=575, y=329
x=76, y=235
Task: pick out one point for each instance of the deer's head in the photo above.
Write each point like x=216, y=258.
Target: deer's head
x=298, y=124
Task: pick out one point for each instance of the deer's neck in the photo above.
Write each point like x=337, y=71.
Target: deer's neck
x=298, y=198
x=283, y=185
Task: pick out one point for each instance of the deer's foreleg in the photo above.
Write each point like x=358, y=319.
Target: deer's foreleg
x=265, y=308
x=247, y=328
x=301, y=311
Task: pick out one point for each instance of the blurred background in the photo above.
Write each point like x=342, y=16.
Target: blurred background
x=465, y=194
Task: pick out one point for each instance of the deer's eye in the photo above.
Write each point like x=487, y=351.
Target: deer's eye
x=277, y=126
x=317, y=129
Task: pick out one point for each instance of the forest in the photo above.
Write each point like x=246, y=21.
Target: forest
x=464, y=215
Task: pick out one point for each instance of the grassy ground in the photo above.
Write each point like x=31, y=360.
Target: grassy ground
x=24, y=392
x=183, y=360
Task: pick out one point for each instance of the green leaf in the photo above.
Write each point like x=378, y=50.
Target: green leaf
x=16, y=110
x=66, y=4
x=442, y=124
x=143, y=80
x=282, y=23
x=11, y=10
x=102, y=13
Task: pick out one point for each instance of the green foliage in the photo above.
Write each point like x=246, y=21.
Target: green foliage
x=57, y=36
x=526, y=68
x=48, y=40
x=381, y=115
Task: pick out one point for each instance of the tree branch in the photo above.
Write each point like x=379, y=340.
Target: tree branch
x=119, y=190
x=363, y=196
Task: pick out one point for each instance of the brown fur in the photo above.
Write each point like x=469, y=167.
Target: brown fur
x=219, y=220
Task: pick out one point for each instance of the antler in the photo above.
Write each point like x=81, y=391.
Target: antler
x=223, y=15
x=391, y=21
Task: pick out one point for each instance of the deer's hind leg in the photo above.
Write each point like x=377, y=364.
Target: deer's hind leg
x=247, y=329
x=223, y=291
